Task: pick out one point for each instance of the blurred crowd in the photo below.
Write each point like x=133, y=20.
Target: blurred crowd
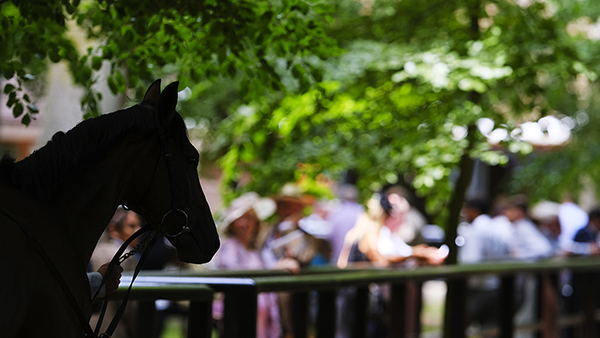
x=291, y=231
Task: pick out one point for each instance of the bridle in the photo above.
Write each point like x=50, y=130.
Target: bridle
x=175, y=214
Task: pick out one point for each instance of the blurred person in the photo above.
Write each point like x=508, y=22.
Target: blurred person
x=240, y=250
x=317, y=226
x=485, y=238
x=484, y=241
x=409, y=228
x=545, y=215
x=123, y=224
x=572, y=218
x=343, y=218
x=590, y=234
x=287, y=239
x=375, y=237
x=528, y=242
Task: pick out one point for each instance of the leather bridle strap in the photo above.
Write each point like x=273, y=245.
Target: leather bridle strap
x=57, y=275
x=175, y=210
x=121, y=310
x=115, y=260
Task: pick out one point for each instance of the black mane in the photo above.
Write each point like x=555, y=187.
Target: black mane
x=68, y=154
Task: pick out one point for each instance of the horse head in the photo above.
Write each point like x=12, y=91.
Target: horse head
x=174, y=201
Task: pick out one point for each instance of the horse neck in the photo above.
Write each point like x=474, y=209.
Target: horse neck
x=90, y=200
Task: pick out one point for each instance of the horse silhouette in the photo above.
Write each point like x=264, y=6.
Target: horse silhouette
x=62, y=197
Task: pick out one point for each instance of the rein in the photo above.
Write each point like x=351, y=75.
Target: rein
x=149, y=241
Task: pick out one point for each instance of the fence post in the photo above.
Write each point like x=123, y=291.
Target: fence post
x=589, y=304
x=455, y=316
x=146, y=323
x=405, y=309
x=299, y=313
x=326, y=314
x=507, y=307
x=200, y=320
x=362, y=302
x=549, y=306
x=239, y=314
x=397, y=310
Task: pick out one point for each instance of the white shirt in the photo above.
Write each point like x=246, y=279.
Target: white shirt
x=528, y=243
x=571, y=218
x=486, y=239
x=389, y=245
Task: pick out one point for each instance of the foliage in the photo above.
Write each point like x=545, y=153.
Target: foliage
x=414, y=78
x=200, y=40
x=268, y=89
x=30, y=33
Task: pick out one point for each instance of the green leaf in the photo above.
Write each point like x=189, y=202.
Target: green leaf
x=18, y=109
x=120, y=81
x=97, y=62
x=112, y=85
x=12, y=99
x=70, y=9
x=9, y=88
x=26, y=120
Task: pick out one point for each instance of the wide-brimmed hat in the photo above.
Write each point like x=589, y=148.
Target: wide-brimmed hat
x=263, y=207
x=290, y=192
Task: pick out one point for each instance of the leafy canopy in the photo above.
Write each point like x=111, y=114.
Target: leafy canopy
x=403, y=102
x=199, y=40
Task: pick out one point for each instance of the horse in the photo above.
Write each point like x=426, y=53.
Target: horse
x=63, y=195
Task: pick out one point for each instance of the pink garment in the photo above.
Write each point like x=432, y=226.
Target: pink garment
x=233, y=255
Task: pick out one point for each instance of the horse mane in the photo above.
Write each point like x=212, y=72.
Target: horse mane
x=68, y=154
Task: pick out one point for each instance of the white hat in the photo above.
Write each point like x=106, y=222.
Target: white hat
x=263, y=207
x=545, y=211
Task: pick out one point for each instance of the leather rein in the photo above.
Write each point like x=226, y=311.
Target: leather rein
x=148, y=242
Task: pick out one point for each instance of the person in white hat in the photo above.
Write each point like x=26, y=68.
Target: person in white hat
x=240, y=251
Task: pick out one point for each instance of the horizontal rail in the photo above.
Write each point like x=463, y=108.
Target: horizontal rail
x=332, y=278
x=242, y=287
x=174, y=292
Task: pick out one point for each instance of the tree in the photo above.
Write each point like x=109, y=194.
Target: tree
x=405, y=98
x=196, y=40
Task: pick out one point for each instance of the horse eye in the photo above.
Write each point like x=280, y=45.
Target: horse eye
x=192, y=161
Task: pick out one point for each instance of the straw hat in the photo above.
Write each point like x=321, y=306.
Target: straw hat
x=289, y=193
x=263, y=207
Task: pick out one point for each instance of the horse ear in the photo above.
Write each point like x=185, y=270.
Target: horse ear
x=152, y=94
x=168, y=101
